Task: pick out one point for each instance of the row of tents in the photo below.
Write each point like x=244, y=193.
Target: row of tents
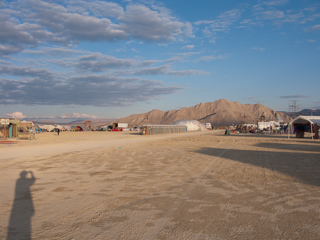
x=54, y=128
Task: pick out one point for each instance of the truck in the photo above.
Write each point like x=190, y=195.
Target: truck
x=120, y=126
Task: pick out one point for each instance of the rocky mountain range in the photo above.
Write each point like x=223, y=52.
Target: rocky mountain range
x=219, y=113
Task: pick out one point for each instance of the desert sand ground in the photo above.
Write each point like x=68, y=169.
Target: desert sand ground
x=203, y=185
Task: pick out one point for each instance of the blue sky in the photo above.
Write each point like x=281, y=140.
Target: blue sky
x=87, y=59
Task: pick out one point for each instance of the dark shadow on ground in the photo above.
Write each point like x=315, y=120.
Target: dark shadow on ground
x=277, y=137
x=252, y=135
x=22, y=209
x=135, y=133
x=294, y=147
x=304, y=167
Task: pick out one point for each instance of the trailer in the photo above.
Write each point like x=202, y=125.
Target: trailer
x=119, y=125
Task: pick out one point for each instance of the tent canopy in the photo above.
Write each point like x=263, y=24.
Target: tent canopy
x=306, y=120
x=192, y=125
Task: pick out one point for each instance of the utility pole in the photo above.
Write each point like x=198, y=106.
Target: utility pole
x=293, y=108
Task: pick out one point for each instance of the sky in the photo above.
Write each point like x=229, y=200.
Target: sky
x=74, y=59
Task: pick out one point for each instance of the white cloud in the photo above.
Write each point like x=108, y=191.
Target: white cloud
x=222, y=23
x=18, y=115
x=165, y=70
x=275, y=2
x=96, y=8
x=313, y=28
x=310, y=9
x=310, y=18
x=53, y=51
x=260, y=49
x=9, y=49
x=85, y=90
x=36, y=22
x=97, y=62
x=212, y=57
x=275, y=14
x=316, y=27
x=189, y=47
x=77, y=115
x=141, y=22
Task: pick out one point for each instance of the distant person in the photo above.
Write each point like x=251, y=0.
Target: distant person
x=58, y=131
x=282, y=130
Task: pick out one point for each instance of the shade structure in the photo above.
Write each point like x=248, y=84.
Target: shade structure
x=192, y=125
x=306, y=120
x=305, y=124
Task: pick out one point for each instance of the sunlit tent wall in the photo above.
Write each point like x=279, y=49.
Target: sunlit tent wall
x=61, y=128
x=303, y=124
x=47, y=128
x=161, y=129
x=192, y=125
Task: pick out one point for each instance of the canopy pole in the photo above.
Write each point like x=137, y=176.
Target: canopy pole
x=311, y=131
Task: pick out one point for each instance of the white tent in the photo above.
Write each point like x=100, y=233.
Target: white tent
x=305, y=121
x=49, y=128
x=192, y=125
x=59, y=127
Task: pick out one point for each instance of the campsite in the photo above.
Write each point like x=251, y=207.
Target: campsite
x=191, y=185
x=159, y=120
x=187, y=179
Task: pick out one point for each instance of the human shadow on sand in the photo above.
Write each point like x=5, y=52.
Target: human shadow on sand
x=304, y=167
x=22, y=209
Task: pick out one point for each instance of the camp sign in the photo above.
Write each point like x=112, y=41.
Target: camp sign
x=4, y=121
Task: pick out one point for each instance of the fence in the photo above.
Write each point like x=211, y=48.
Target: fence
x=162, y=129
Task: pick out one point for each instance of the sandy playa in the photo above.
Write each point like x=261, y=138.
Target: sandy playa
x=98, y=185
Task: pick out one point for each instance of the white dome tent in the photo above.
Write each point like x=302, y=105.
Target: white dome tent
x=192, y=125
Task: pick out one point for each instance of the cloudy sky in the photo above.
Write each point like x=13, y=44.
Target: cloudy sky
x=82, y=59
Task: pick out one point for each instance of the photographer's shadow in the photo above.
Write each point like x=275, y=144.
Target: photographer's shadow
x=22, y=209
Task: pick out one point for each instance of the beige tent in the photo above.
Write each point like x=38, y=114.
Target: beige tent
x=49, y=128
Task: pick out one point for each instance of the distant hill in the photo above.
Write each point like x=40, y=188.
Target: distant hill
x=78, y=122
x=95, y=122
x=219, y=113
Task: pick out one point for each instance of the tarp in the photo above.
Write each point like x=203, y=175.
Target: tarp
x=306, y=120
